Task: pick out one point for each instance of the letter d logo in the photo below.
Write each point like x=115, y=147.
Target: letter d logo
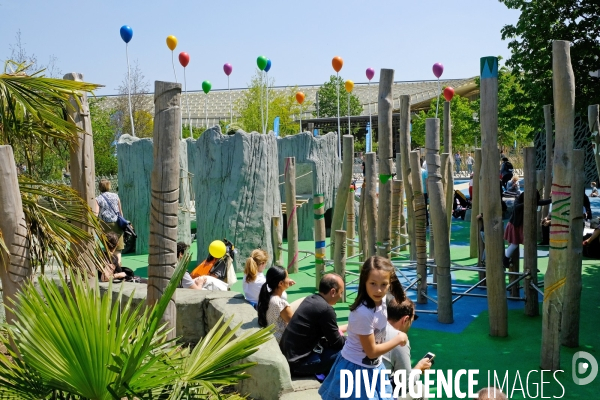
x=582, y=367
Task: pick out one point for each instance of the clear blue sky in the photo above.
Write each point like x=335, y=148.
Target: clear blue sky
x=300, y=37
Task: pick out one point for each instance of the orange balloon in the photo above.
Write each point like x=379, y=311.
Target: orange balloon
x=337, y=63
x=300, y=97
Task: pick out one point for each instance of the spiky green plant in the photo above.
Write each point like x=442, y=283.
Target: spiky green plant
x=76, y=343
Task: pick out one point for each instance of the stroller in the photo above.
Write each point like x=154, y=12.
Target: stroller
x=221, y=268
x=461, y=205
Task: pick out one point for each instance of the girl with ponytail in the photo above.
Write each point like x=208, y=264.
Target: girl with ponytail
x=272, y=308
x=366, y=341
x=253, y=275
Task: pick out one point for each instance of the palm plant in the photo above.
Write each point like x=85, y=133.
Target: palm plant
x=78, y=344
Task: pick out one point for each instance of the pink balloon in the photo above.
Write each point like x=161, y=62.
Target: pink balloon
x=184, y=59
x=227, y=68
x=438, y=70
x=370, y=73
x=448, y=93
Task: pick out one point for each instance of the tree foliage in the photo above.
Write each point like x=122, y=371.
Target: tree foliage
x=105, y=138
x=328, y=99
x=282, y=104
x=541, y=22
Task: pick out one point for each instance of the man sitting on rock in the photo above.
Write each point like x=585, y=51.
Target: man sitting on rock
x=312, y=339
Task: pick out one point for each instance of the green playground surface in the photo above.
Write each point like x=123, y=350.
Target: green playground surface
x=466, y=344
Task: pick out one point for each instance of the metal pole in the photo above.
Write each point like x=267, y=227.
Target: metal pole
x=338, y=110
x=349, y=131
x=206, y=111
x=267, y=119
x=129, y=90
x=187, y=102
x=370, y=145
x=230, y=104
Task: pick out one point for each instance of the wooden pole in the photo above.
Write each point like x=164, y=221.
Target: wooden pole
x=530, y=223
x=406, y=173
x=342, y=193
x=420, y=229
x=549, y=152
x=339, y=257
x=164, y=201
x=492, y=211
x=362, y=222
x=563, y=82
x=594, y=123
x=474, y=234
x=370, y=204
x=350, y=222
x=15, y=268
x=276, y=241
x=437, y=201
x=396, y=212
x=292, y=216
x=385, y=151
x=400, y=177
x=572, y=300
x=320, y=235
x=539, y=180
x=449, y=170
x=83, y=176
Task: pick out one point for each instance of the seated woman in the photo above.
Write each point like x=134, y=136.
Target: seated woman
x=113, y=268
x=512, y=187
x=204, y=282
x=253, y=275
x=272, y=308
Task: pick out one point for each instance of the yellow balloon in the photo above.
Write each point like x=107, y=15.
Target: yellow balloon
x=349, y=86
x=171, y=42
x=217, y=249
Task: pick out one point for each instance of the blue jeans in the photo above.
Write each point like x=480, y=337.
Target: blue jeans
x=315, y=363
x=470, y=168
x=457, y=166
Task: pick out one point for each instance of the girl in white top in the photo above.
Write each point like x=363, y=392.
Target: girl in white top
x=253, y=275
x=272, y=308
x=366, y=341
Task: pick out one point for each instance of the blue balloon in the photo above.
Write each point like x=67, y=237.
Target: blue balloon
x=268, y=67
x=126, y=33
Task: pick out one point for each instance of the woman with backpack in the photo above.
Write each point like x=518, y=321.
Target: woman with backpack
x=108, y=208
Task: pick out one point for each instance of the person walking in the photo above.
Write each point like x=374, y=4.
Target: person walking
x=108, y=208
x=470, y=162
x=457, y=160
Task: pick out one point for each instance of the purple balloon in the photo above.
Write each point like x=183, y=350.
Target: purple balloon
x=227, y=68
x=438, y=70
x=370, y=73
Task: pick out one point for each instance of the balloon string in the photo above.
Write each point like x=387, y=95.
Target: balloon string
x=349, y=132
x=338, y=110
x=262, y=110
x=267, y=90
x=438, y=98
x=173, y=63
x=206, y=110
x=187, y=102
x=230, y=104
x=370, y=144
x=129, y=89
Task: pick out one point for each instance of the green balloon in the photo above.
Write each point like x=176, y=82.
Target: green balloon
x=206, y=86
x=261, y=61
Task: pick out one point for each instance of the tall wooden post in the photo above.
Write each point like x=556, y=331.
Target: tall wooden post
x=549, y=153
x=450, y=169
x=83, y=176
x=341, y=196
x=572, y=299
x=276, y=241
x=400, y=177
x=339, y=257
x=370, y=204
x=162, y=257
x=406, y=173
x=385, y=151
x=594, y=123
x=492, y=211
x=292, y=217
x=447, y=176
x=420, y=229
x=15, y=270
x=530, y=223
x=563, y=82
x=474, y=234
x=539, y=180
x=362, y=222
x=396, y=212
x=437, y=201
x=350, y=222
x=320, y=235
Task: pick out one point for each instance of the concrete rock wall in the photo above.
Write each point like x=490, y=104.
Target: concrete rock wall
x=320, y=153
x=236, y=190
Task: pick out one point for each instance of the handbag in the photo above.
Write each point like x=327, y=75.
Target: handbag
x=122, y=223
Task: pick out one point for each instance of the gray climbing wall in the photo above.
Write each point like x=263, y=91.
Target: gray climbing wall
x=235, y=184
x=135, y=158
x=318, y=154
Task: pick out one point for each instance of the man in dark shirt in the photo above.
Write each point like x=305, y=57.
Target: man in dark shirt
x=312, y=339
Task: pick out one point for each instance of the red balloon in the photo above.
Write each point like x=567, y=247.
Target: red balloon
x=184, y=59
x=448, y=93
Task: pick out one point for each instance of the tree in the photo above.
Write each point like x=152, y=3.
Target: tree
x=282, y=104
x=19, y=55
x=328, y=99
x=541, y=22
x=141, y=105
x=105, y=138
